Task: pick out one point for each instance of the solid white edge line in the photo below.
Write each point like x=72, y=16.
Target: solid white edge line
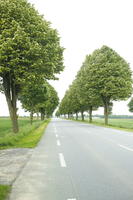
x=58, y=143
x=124, y=147
x=62, y=160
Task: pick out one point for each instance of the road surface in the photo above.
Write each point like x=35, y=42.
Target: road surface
x=78, y=161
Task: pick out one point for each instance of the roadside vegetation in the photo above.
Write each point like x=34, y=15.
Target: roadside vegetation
x=28, y=136
x=103, y=78
x=121, y=124
x=30, y=55
x=4, y=191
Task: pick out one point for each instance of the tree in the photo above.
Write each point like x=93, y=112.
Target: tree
x=39, y=97
x=29, y=48
x=88, y=99
x=130, y=105
x=47, y=107
x=33, y=95
x=76, y=106
x=110, y=77
x=52, y=101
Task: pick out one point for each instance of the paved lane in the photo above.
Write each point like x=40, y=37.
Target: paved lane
x=77, y=161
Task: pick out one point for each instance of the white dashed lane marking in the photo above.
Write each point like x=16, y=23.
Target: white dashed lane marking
x=58, y=143
x=71, y=199
x=62, y=160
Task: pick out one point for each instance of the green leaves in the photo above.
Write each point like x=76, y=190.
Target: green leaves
x=29, y=49
x=104, y=77
x=130, y=105
x=39, y=97
x=112, y=73
x=26, y=39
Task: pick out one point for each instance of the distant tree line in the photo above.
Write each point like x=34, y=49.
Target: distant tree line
x=30, y=54
x=104, y=77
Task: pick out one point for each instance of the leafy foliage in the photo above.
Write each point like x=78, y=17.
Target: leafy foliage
x=130, y=105
x=29, y=49
x=39, y=97
x=104, y=77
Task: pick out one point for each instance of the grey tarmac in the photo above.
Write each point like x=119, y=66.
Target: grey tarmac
x=78, y=161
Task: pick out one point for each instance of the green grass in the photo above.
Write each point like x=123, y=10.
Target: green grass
x=28, y=136
x=4, y=191
x=31, y=140
x=117, y=123
x=121, y=124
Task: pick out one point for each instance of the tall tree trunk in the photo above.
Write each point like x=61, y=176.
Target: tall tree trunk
x=76, y=115
x=31, y=117
x=68, y=115
x=14, y=117
x=82, y=115
x=90, y=114
x=11, y=98
x=106, y=112
x=37, y=116
x=42, y=116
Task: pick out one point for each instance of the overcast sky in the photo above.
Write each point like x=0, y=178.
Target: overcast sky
x=85, y=25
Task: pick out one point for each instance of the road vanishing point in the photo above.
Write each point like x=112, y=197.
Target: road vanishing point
x=78, y=161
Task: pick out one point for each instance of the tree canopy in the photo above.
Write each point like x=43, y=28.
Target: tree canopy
x=29, y=48
x=40, y=98
x=103, y=77
x=130, y=105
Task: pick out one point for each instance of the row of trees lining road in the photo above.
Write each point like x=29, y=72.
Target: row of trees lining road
x=29, y=49
x=38, y=97
x=104, y=77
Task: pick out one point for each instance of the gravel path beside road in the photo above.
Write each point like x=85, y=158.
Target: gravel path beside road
x=12, y=162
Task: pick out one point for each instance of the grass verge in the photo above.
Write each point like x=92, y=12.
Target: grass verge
x=31, y=140
x=28, y=136
x=119, y=124
x=4, y=191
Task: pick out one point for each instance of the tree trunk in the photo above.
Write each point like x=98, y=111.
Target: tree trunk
x=42, y=116
x=90, y=114
x=76, y=115
x=106, y=111
x=37, y=116
x=11, y=98
x=31, y=117
x=68, y=116
x=82, y=115
x=14, y=118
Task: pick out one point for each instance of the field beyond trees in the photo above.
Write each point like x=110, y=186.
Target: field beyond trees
x=28, y=136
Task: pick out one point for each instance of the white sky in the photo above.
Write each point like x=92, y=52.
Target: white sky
x=85, y=25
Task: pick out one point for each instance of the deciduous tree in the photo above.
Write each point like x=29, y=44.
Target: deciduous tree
x=29, y=47
x=110, y=77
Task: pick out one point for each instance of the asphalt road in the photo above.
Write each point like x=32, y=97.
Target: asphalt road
x=78, y=161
